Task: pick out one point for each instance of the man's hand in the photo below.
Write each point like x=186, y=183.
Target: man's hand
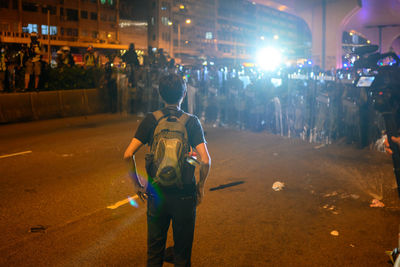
x=205, y=163
x=199, y=193
x=141, y=192
x=396, y=140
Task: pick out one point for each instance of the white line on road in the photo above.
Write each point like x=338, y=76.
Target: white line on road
x=122, y=202
x=15, y=154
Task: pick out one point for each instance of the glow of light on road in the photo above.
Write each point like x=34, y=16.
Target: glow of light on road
x=133, y=202
x=15, y=154
x=123, y=202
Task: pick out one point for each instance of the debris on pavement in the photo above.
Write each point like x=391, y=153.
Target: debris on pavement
x=351, y=245
x=334, y=193
x=335, y=233
x=331, y=208
x=376, y=203
x=319, y=146
x=38, y=229
x=278, y=186
x=342, y=195
x=380, y=144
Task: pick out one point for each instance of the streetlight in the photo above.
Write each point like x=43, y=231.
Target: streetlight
x=187, y=21
x=171, y=44
x=48, y=35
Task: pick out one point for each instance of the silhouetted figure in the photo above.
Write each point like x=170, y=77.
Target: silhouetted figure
x=132, y=63
x=33, y=63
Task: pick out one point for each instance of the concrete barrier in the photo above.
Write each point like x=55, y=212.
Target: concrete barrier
x=15, y=107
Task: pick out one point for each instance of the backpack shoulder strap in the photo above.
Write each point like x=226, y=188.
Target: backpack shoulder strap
x=184, y=118
x=158, y=115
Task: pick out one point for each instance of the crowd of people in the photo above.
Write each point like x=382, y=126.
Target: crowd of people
x=310, y=108
x=24, y=67
x=316, y=107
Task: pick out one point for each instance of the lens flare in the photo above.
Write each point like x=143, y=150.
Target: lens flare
x=152, y=189
x=133, y=202
x=269, y=58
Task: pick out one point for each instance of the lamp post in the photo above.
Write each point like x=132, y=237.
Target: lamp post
x=48, y=30
x=187, y=21
x=179, y=39
x=171, y=40
x=48, y=36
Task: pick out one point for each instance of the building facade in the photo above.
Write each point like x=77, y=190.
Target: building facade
x=228, y=29
x=72, y=22
x=133, y=23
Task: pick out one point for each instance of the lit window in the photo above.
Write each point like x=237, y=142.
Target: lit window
x=30, y=28
x=165, y=6
x=164, y=20
x=53, y=30
x=44, y=29
x=209, y=35
x=103, y=2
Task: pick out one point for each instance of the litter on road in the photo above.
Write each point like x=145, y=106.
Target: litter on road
x=334, y=193
x=278, y=186
x=376, y=203
x=335, y=233
x=319, y=146
x=38, y=229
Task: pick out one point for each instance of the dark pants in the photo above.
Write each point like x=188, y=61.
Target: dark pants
x=160, y=211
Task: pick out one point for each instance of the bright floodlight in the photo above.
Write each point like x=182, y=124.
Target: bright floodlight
x=269, y=58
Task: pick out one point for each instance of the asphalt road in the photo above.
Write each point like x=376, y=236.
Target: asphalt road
x=64, y=190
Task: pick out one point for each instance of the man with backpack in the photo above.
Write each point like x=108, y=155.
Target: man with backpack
x=174, y=138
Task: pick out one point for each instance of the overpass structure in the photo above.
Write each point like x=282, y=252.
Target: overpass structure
x=378, y=21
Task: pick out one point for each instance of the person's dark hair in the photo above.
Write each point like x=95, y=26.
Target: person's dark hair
x=172, y=88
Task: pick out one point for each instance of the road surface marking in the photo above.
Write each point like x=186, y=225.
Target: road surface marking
x=122, y=202
x=15, y=154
